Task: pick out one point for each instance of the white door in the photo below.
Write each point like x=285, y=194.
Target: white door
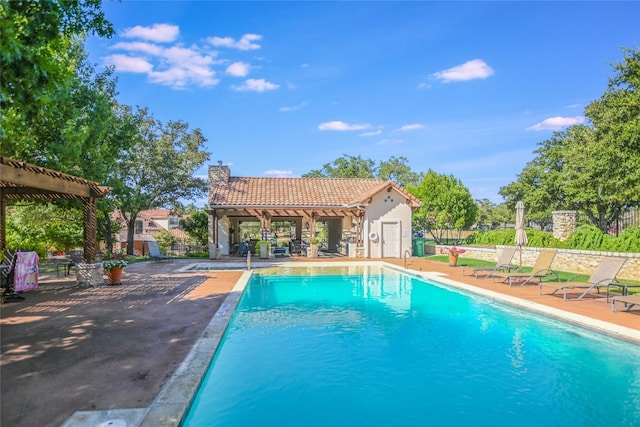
x=390, y=240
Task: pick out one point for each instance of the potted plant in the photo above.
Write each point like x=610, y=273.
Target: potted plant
x=113, y=266
x=453, y=252
x=313, y=246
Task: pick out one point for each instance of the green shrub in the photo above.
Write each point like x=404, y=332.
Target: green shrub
x=538, y=239
x=196, y=254
x=586, y=237
x=627, y=241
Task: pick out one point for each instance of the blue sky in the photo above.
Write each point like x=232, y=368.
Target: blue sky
x=281, y=88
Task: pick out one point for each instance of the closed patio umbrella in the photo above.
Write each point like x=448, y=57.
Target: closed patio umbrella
x=521, y=234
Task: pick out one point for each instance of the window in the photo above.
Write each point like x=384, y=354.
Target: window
x=138, y=229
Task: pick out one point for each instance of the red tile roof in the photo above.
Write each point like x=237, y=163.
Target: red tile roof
x=299, y=192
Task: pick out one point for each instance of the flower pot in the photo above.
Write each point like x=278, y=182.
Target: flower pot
x=115, y=275
x=453, y=259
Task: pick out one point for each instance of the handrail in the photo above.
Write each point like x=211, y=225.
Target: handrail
x=407, y=251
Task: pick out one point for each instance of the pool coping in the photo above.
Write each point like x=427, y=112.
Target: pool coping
x=172, y=403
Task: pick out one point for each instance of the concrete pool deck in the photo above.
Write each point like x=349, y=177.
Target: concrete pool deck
x=131, y=355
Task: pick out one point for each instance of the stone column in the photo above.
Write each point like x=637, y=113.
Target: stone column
x=564, y=224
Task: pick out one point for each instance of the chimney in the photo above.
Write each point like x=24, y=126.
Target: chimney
x=218, y=174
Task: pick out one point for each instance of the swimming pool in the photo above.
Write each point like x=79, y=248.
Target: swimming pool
x=374, y=346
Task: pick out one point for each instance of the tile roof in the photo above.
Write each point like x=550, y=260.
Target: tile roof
x=299, y=192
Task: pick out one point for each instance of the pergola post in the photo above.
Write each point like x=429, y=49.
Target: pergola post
x=89, y=217
x=3, y=223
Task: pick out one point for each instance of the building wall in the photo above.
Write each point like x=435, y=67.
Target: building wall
x=387, y=207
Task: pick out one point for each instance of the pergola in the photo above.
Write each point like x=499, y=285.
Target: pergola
x=23, y=181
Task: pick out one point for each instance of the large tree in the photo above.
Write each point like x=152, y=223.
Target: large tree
x=446, y=204
x=395, y=169
x=38, y=60
x=345, y=167
x=593, y=168
x=158, y=170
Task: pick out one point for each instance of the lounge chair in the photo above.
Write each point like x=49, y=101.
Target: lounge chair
x=628, y=300
x=504, y=263
x=541, y=269
x=154, y=252
x=603, y=276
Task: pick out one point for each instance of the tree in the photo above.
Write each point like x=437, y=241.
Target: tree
x=491, y=214
x=158, y=170
x=165, y=240
x=593, y=168
x=41, y=226
x=345, y=167
x=398, y=171
x=446, y=204
x=394, y=169
x=37, y=55
x=197, y=226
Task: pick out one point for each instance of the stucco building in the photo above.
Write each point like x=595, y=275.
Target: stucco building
x=365, y=218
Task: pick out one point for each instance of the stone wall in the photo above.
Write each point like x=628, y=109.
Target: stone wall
x=564, y=224
x=571, y=260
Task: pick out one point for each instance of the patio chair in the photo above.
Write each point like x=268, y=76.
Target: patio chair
x=504, y=263
x=7, y=277
x=154, y=252
x=603, y=276
x=76, y=257
x=541, y=269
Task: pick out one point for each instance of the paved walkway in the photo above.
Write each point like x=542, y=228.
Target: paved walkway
x=67, y=348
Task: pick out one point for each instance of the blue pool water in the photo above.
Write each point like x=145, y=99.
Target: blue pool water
x=383, y=348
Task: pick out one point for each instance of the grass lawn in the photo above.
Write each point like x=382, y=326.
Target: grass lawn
x=472, y=262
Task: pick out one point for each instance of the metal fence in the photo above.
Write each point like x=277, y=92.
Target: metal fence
x=624, y=219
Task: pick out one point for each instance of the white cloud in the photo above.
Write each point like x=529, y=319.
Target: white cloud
x=245, y=42
x=238, y=69
x=424, y=86
x=129, y=64
x=278, y=173
x=294, y=108
x=256, y=85
x=341, y=126
x=174, y=66
x=411, y=127
x=143, y=47
x=475, y=69
x=160, y=33
x=372, y=133
x=557, y=123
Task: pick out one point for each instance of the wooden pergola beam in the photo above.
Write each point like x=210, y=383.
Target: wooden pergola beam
x=30, y=179
x=19, y=180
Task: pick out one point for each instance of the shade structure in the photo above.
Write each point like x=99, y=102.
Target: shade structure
x=521, y=234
